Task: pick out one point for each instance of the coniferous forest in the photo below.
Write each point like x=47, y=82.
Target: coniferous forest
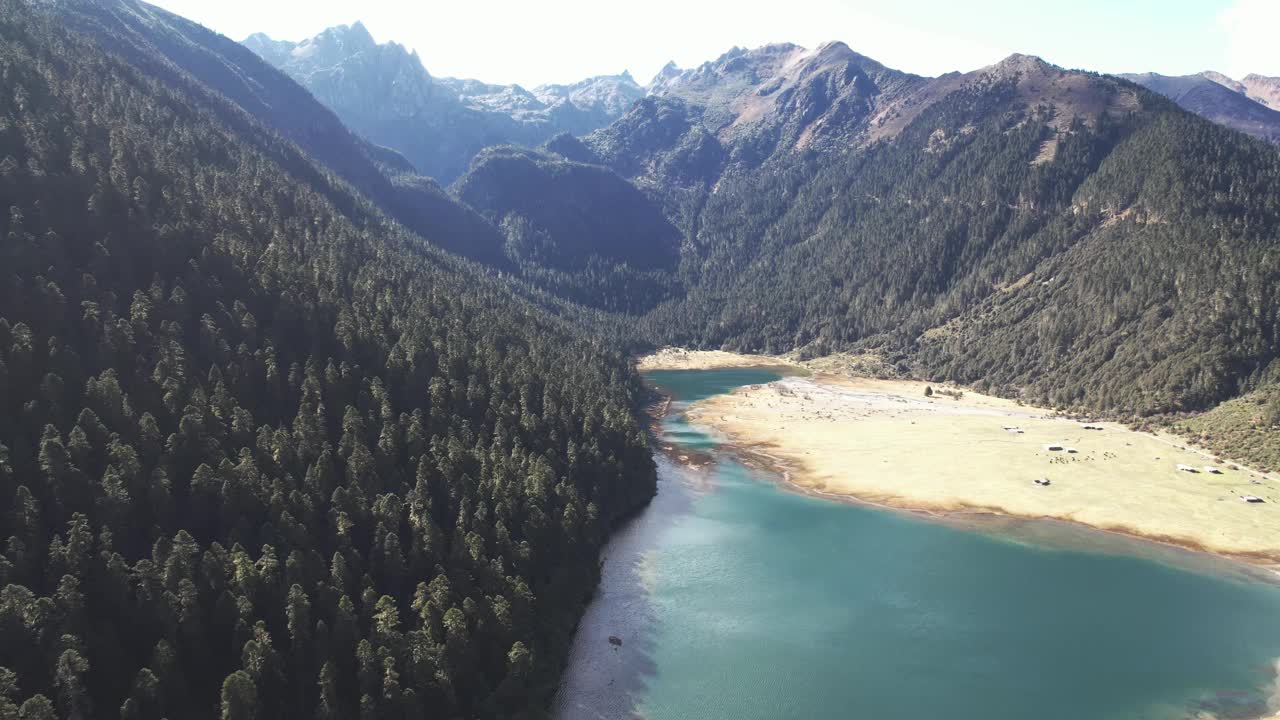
x=265, y=453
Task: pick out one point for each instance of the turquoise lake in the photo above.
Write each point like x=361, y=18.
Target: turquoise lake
x=735, y=598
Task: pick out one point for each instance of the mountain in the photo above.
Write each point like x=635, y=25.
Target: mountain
x=181, y=51
x=578, y=229
x=576, y=108
x=384, y=93
x=787, y=95
x=1265, y=90
x=784, y=102
x=264, y=451
x=603, y=97
x=1251, y=106
x=1259, y=88
x=1050, y=234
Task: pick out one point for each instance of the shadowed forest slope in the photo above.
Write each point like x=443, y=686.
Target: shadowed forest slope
x=263, y=453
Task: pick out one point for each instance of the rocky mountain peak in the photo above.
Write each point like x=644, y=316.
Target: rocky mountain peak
x=1262, y=89
x=354, y=35
x=785, y=95
x=384, y=92
x=336, y=44
x=1021, y=64
x=1222, y=80
x=275, y=52
x=667, y=72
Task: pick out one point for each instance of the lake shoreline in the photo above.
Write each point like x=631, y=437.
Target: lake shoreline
x=1262, y=567
x=703, y=454
x=791, y=473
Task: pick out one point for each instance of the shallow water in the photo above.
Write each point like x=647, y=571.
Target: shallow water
x=735, y=598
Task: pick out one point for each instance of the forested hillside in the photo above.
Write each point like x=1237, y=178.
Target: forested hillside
x=1055, y=235
x=578, y=229
x=1132, y=269
x=1166, y=298
x=262, y=452
x=191, y=57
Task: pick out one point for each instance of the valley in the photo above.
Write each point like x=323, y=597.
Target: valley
x=790, y=383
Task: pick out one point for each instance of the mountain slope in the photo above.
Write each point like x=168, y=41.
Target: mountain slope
x=384, y=93
x=577, y=228
x=1218, y=98
x=787, y=95
x=1260, y=88
x=1164, y=302
x=187, y=55
x=264, y=453
x=1057, y=234
x=1242, y=429
x=770, y=106
x=191, y=58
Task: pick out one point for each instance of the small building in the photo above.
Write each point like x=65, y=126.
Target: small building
x=1252, y=499
x=1042, y=481
x=1186, y=468
x=1053, y=448
x=1212, y=470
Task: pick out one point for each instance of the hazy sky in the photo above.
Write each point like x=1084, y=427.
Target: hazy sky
x=534, y=41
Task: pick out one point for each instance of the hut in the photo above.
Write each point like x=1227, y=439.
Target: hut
x=1212, y=470
x=1252, y=499
x=1186, y=468
x=1053, y=447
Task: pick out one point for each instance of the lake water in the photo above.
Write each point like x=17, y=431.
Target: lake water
x=735, y=598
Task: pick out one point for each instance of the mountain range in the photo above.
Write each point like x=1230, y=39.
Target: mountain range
x=384, y=93
x=979, y=190
x=1250, y=105
x=291, y=429
x=970, y=227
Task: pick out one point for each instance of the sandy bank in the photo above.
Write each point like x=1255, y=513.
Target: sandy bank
x=883, y=441
x=680, y=359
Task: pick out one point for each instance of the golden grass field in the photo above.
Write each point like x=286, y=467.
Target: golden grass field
x=883, y=441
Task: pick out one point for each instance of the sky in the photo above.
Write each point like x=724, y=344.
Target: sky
x=543, y=41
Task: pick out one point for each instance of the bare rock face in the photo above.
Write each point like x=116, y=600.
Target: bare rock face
x=784, y=95
x=384, y=92
x=1265, y=90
